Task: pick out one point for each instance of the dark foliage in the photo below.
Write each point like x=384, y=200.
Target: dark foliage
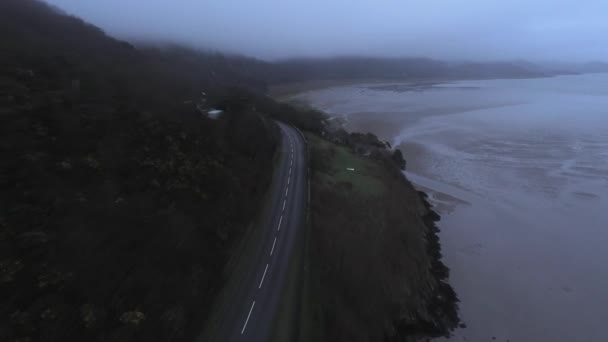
x=119, y=200
x=397, y=157
x=239, y=98
x=376, y=260
x=368, y=145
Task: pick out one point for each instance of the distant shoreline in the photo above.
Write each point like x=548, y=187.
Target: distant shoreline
x=284, y=91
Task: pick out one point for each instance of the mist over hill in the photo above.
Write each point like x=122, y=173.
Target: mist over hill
x=475, y=30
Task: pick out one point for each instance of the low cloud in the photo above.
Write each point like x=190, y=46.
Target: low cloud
x=448, y=29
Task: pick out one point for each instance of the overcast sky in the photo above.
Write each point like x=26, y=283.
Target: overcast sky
x=446, y=29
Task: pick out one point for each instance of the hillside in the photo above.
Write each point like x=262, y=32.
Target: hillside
x=376, y=270
x=120, y=200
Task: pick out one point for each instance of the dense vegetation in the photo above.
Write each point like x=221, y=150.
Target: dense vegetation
x=120, y=200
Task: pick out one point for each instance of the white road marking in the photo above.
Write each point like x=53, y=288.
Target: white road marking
x=263, y=276
x=273, y=243
x=286, y=190
x=247, y=320
x=288, y=179
x=284, y=202
x=280, y=220
x=290, y=171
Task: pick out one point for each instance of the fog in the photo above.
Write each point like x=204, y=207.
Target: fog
x=559, y=30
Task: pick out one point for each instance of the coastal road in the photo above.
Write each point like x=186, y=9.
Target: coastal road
x=251, y=308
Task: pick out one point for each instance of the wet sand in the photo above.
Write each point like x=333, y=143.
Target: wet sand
x=522, y=187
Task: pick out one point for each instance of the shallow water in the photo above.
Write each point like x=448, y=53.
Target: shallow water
x=519, y=170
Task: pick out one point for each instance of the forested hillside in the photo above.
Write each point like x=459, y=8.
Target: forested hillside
x=120, y=200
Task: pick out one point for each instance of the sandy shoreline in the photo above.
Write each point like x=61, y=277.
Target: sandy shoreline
x=285, y=91
x=387, y=129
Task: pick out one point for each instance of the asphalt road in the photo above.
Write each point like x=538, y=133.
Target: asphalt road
x=251, y=311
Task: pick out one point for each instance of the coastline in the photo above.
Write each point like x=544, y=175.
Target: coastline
x=508, y=207
x=435, y=311
x=284, y=91
x=442, y=300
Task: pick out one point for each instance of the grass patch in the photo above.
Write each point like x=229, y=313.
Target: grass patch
x=374, y=275
x=335, y=160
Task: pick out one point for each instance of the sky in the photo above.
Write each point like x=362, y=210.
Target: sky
x=552, y=30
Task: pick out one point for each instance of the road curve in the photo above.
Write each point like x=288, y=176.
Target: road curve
x=253, y=309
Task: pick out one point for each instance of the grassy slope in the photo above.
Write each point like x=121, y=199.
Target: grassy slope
x=373, y=271
x=366, y=180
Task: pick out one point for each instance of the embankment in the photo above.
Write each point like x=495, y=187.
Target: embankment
x=376, y=270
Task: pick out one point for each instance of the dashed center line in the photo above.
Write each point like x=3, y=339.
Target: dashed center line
x=273, y=243
x=247, y=320
x=263, y=276
x=275, y=238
